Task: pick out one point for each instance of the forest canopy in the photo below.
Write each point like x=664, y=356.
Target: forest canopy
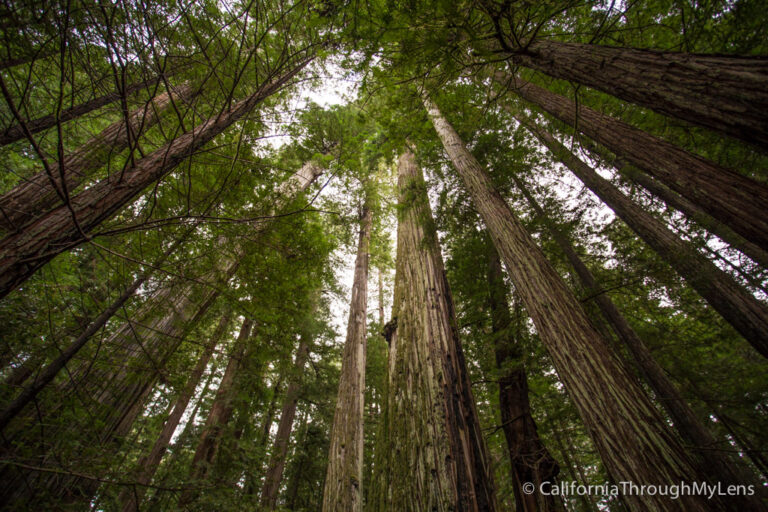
x=383, y=255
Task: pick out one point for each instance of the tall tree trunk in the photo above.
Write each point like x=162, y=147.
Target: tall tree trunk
x=17, y=132
x=43, y=191
x=739, y=308
x=730, y=198
x=728, y=94
x=436, y=450
x=218, y=417
x=22, y=254
x=531, y=462
x=630, y=435
x=344, y=478
x=711, y=456
x=147, y=466
x=274, y=475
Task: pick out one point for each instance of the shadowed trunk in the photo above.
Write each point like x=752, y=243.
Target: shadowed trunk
x=218, y=418
x=730, y=198
x=147, y=466
x=22, y=254
x=711, y=455
x=633, y=440
x=38, y=194
x=274, y=475
x=435, y=451
x=737, y=306
x=725, y=93
x=531, y=462
x=344, y=478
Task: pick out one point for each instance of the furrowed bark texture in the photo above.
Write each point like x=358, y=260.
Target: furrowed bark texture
x=16, y=132
x=631, y=437
x=436, y=452
x=711, y=456
x=343, y=490
x=531, y=461
x=37, y=194
x=218, y=418
x=274, y=474
x=730, y=198
x=728, y=94
x=131, y=498
x=738, y=307
x=23, y=253
x=139, y=350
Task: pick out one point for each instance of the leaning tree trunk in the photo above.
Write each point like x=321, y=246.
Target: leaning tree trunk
x=131, y=498
x=725, y=93
x=436, y=451
x=218, y=417
x=22, y=254
x=743, y=311
x=43, y=191
x=344, y=478
x=730, y=198
x=633, y=440
x=274, y=474
x=531, y=461
x=711, y=456
x=17, y=131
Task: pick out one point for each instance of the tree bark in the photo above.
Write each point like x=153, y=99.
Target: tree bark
x=218, y=418
x=16, y=132
x=42, y=192
x=727, y=94
x=531, y=461
x=22, y=254
x=147, y=466
x=274, y=475
x=344, y=478
x=739, y=308
x=709, y=457
x=730, y=198
x=436, y=451
x=630, y=435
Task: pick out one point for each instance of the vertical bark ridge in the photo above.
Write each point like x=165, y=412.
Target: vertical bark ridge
x=630, y=435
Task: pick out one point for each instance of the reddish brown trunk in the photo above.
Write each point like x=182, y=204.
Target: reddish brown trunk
x=728, y=94
x=37, y=194
x=745, y=313
x=711, y=455
x=343, y=490
x=147, y=466
x=274, y=474
x=730, y=198
x=633, y=440
x=218, y=417
x=22, y=254
x=16, y=132
x=531, y=462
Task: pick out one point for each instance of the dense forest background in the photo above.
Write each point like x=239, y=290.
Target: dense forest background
x=383, y=255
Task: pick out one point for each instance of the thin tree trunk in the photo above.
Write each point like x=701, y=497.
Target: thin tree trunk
x=344, y=478
x=274, y=475
x=737, y=306
x=16, y=132
x=577, y=472
x=436, y=450
x=218, y=418
x=719, y=466
x=728, y=94
x=37, y=194
x=630, y=435
x=531, y=461
x=22, y=254
x=728, y=197
x=147, y=466
x=381, y=299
